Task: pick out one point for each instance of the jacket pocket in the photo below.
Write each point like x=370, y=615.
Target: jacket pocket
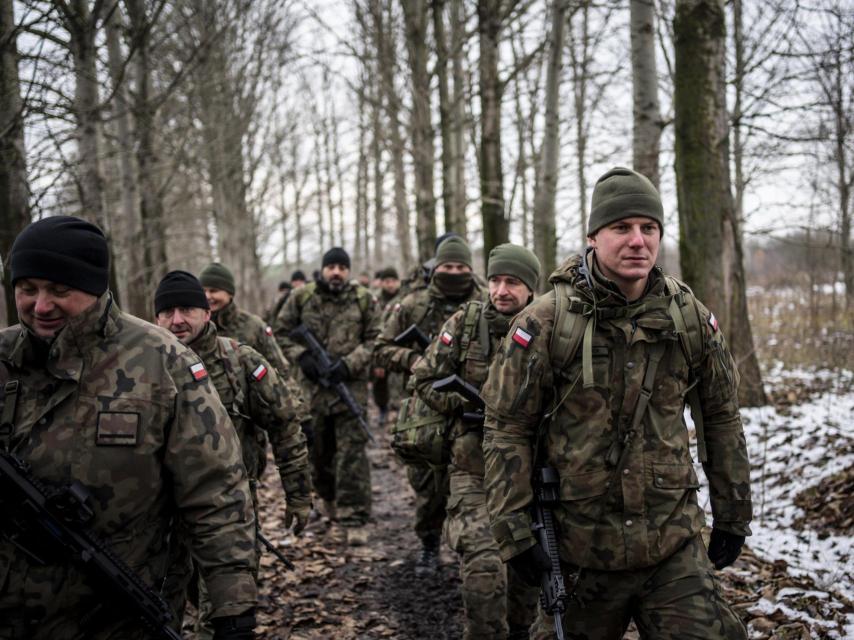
x=674, y=476
x=584, y=485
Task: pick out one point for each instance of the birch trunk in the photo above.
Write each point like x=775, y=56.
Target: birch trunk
x=646, y=130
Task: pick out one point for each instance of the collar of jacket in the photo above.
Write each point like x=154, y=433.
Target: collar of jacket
x=499, y=323
x=328, y=294
x=78, y=337
x=226, y=316
x=205, y=343
x=605, y=291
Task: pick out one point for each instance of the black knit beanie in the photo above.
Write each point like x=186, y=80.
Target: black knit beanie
x=179, y=289
x=63, y=249
x=623, y=193
x=298, y=275
x=336, y=255
x=388, y=272
x=217, y=276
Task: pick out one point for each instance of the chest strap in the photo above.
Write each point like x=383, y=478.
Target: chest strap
x=7, y=416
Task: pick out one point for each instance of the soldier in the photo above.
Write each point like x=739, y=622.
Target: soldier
x=604, y=364
x=124, y=408
x=345, y=320
x=259, y=403
x=297, y=279
x=381, y=384
x=498, y=604
x=233, y=322
x=284, y=290
x=452, y=284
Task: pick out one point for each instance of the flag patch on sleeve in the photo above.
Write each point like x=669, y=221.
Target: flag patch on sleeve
x=268, y=330
x=446, y=338
x=522, y=337
x=198, y=371
x=259, y=373
x=713, y=322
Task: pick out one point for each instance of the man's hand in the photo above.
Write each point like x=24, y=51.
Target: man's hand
x=724, y=547
x=297, y=488
x=531, y=564
x=310, y=367
x=240, y=627
x=415, y=362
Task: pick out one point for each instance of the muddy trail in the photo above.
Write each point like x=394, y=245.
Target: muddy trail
x=372, y=592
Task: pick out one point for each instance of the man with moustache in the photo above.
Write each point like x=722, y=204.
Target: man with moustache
x=498, y=604
x=452, y=284
x=384, y=384
x=96, y=396
x=345, y=320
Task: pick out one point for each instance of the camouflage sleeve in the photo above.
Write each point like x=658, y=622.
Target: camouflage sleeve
x=279, y=411
x=441, y=359
x=359, y=359
x=514, y=393
x=288, y=320
x=727, y=467
x=387, y=354
x=211, y=489
x=267, y=347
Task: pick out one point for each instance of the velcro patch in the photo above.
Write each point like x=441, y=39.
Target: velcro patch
x=260, y=372
x=198, y=371
x=522, y=337
x=713, y=322
x=446, y=338
x=117, y=428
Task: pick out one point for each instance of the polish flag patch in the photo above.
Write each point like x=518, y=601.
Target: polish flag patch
x=260, y=372
x=713, y=322
x=268, y=330
x=522, y=337
x=447, y=339
x=198, y=371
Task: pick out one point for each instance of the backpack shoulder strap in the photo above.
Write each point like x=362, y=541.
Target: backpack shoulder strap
x=571, y=324
x=304, y=294
x=471, y=315
x=364, y=297
x=233, y=370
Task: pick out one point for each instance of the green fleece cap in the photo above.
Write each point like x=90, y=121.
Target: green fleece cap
x=623, y=193
x=454, y=249
x=217, y=276
x=514, y=260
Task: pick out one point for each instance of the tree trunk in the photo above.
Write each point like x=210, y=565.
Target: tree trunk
x=496, y=227
x=446, y=115
x=710, y=239
x=580, y=57
x=423, y=146
x=129, y=230
x=14, y=188
x=646, y=131
x=458, y=121
x=545, y=241
x=377, y=160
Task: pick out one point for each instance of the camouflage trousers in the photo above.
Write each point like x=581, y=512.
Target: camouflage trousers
x=340, y=468
x=494, y=598
x=678, y=599
x=431, y=497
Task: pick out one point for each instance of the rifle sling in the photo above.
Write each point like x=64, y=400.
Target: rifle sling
x=7, y=417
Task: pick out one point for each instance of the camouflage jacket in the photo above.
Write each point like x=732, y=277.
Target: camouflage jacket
x=346, y=323
x=123, y=407
x=449, y=355
x=428, y=308
x=260, y=406
x=247, y=328
x=651, y=510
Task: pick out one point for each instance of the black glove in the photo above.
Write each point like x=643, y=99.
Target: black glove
x=240, y=627
x=531, y=564
x=724, y=547
x=338, y=372
x=310, y=367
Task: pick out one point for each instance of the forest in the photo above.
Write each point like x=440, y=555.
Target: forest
x=260, y=133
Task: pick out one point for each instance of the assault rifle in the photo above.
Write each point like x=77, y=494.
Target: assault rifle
x=455, y=384
x=52, y=525
x=553, y=594
x=272, y=549
x=322, y=357
x=412, y=335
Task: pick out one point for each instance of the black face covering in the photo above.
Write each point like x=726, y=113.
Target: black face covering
x=454, y=285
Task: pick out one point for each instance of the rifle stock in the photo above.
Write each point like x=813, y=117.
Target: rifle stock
x=553, y=594
x=412, y=334
x=455, y=384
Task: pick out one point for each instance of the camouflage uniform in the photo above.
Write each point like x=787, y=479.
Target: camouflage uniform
x=428, y=308
x=249, y=329
x=346, y=323
x=124, y=408
x=259, y=406
x=388, y=390
x=496, y=600
x=642, y=527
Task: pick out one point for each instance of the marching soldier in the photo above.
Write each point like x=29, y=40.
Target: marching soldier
x=593, y=378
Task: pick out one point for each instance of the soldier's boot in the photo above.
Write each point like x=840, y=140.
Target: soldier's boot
x=357, y=536
x=518, y=632
x=428, y=560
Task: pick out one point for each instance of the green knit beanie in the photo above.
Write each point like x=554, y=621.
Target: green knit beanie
x=217, y=276
x=623, y=193
x=454, y=249
x=513, y=260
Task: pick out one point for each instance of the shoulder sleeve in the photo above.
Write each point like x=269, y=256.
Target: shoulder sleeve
x=441, y=359
x=387, y=354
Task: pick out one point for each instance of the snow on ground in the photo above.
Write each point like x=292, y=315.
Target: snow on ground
x=791, y=450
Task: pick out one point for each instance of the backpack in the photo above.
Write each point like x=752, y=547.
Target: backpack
x=574, y=324
x=420, y=434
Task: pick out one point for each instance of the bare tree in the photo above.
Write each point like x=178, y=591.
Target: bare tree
x=647, y=123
